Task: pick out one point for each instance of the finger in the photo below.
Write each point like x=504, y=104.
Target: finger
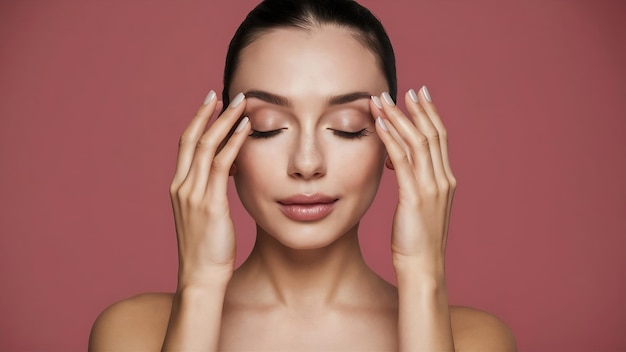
x=186, y=149
x=207, y=145
x=398, y=156
x=223, y=161
x=424, y=124
x=417, y=142
x=376, y=108
x=429, y=108
x=189, y=138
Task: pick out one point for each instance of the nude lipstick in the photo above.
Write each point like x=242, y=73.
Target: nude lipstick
x=303, y=207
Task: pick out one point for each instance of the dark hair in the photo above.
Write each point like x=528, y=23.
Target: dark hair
x=307, y=14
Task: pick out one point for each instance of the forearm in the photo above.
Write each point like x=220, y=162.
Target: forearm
x=424, y=313
x=195, y=320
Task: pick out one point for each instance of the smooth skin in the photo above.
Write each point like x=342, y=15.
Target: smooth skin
x=305, y=286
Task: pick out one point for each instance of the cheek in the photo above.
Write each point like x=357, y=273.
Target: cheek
x=255, y=164
x=362, y=167
x=249, y=178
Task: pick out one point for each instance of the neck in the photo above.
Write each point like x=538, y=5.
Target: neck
x=309, y=278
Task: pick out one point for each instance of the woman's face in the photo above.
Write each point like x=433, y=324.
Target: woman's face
x=313, y=163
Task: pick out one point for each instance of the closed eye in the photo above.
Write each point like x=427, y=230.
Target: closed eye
x=265, y=134
x=351, y=135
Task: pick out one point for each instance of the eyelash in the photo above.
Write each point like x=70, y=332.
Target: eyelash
x=351, y=135
x=264, y=134
x=342, y=134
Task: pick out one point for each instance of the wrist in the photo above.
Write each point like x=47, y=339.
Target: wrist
x=422, y=269
x=217, y=279
x=201, y=291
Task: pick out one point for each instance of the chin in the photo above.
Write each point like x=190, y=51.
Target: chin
x=304, y=243
x=311, y=236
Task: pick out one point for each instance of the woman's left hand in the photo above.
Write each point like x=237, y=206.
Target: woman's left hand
x=418, y=152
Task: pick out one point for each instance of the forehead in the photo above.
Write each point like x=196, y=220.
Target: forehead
x=323, y=60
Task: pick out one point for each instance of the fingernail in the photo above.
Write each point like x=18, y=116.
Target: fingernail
x=388, y=99
x=238, y=99
x=242, y=124
x=377, y=102
x=413, y=95
x=381, y=123
x=426, y=94
x=209, y=97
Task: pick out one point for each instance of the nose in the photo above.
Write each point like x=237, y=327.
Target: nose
x=307, y=159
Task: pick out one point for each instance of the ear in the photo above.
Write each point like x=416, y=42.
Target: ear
x=389, y=164
x=233, y=170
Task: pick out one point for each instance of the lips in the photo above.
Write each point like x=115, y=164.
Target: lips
x=303, y=207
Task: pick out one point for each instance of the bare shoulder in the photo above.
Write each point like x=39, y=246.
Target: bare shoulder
x=477, y=330
x=135, y=324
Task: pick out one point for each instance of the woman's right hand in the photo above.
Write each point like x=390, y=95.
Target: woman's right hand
x=204, y=228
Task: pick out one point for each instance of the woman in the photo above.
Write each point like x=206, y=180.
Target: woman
x=311, y=124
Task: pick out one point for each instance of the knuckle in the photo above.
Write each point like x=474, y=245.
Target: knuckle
x=205, y=143
x=194, y=200
x=444, y=186
x=421, y=141
x=399, y=159
x=173, y=191
x=452, y=181
x=443, y=134
x=433, y=135
x=182, y=193
x=404, y=159
x=219, y=164
x=184, y=140
x=201, y=207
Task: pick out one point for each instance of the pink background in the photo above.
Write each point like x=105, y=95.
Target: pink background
x=94, y=94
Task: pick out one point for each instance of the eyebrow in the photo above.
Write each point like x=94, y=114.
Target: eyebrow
x=284, y=101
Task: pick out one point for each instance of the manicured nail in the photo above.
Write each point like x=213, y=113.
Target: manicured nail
x=381, y=123
x=387, y=99
x=413, y=95
x=426, y=94
x=242, y=124
x=209, y=97
x=238, y=99
x=377, y=102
